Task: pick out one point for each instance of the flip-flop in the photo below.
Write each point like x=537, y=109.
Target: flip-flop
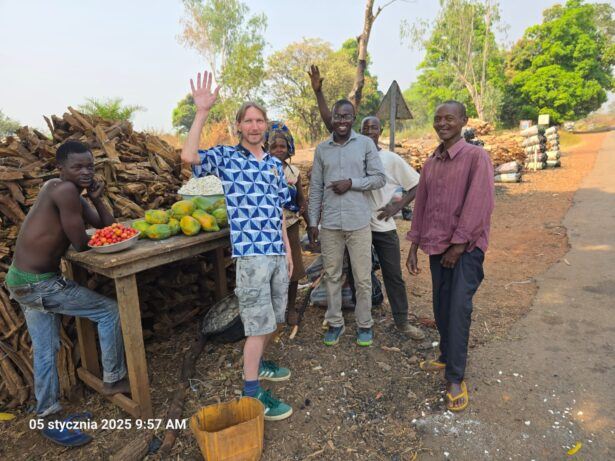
x=463, y=395
x=432, y=365
x=69, y=437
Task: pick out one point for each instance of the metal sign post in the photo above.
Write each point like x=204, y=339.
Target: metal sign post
x=394, y=107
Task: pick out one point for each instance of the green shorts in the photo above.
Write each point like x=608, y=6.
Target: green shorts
x=262, y=292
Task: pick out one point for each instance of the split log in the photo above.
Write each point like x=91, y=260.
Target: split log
x=176, y=407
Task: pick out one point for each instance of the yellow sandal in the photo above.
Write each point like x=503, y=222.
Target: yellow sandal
x=464, y=395
x=432, y=365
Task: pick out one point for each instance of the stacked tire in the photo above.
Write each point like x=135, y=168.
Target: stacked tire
x=553, y=151
x=535, y=146
x=508, y=172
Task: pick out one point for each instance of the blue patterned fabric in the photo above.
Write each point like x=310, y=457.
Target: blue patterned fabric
x=255, y=193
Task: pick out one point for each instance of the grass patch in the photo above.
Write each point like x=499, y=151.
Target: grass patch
x=567, y=140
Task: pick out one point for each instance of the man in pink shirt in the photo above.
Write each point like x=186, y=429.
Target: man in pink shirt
x=451, y=220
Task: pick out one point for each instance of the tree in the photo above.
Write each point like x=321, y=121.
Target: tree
x=461, y=49
x=356, y=93
x=232, y=43
x=370, y=95
x=289, y=88
x=183, y=114
x=8, y=126
x=110, y=108
x=562, y=67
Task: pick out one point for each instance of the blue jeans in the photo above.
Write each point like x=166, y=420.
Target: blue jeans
x=41, y=302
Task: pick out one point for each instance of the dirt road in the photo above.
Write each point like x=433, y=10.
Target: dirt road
x=548, y=387
x=359, y=404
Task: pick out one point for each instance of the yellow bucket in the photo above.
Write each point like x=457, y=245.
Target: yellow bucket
x=230, y=431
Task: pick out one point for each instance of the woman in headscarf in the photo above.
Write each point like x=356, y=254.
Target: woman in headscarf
x=279, y=142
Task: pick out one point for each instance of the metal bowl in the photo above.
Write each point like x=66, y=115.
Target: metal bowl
x=115, y=247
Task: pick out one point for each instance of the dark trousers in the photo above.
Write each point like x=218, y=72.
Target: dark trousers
x=386, y=245
x=453, y=290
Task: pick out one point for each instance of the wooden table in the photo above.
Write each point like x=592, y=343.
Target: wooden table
x=122, y=267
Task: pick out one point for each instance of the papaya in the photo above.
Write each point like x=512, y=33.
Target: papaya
x=204, y=203
x=174, y=226
x=221, y=217
x=142, y=227
x=220, y=203
x=189, y=225
x=182, y=208
x=158, y=231
x=156, y=217
x=207, y=221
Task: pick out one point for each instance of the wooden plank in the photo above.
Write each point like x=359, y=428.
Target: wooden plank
x=130, y=316
x=107, y=145
x=82, y=120
x=150, y=253
x=125, y=403
x=135, y=267
x=86, y=331
x=145, y=249
x=220, y=273
x=8, y=175
x=16, y=192
x=11, y=209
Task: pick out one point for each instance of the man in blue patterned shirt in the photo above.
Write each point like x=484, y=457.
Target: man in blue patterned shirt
x=255, y=191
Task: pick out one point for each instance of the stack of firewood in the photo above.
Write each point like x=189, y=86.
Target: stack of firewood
x=141, y=172
x=502, y=147
x=480, y=127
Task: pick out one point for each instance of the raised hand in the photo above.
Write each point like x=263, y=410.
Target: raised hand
x=315, y=78
x=204, y=98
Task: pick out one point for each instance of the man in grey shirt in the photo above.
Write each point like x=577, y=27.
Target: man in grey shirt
x=345, y=166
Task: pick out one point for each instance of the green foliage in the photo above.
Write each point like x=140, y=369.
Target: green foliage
x=8, y=126
x=232, y=43
x=289, y=85
x=183, y=114
x=431, y=88
x=110, y=109
x=371, y=98
x=562, y=67
x=462, y=60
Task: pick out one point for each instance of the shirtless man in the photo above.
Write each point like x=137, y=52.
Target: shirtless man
x=58, y=219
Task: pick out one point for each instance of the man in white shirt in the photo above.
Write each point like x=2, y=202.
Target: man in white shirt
x=385, y=203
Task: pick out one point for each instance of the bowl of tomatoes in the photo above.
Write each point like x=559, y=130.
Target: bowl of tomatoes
x=113, y=238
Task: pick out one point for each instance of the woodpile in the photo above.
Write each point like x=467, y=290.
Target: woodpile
x=480, y=127
x=503, y=147
x=141, y=172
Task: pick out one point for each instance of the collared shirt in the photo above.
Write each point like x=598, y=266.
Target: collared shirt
x=400, y=177
x=255, y=192
x=357, y=159
x=454, y=199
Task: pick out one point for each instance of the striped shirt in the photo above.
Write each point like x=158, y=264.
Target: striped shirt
x=454, y=199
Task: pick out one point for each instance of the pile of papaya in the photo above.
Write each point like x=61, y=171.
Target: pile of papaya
x=187, y=216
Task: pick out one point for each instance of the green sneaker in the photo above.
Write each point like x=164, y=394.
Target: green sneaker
x=270, y=371
x=332, y=336
x=365, y=337
x=275, y=410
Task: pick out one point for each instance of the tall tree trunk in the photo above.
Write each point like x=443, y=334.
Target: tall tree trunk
x=356, y=93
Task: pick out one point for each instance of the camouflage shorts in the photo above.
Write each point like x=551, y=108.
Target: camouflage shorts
x=262, y=291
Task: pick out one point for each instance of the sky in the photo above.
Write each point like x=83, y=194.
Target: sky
x=55, y=54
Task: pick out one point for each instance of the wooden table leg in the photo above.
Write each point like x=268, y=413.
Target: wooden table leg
x=86, y=330
x=221, y=286
x=130, y=316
